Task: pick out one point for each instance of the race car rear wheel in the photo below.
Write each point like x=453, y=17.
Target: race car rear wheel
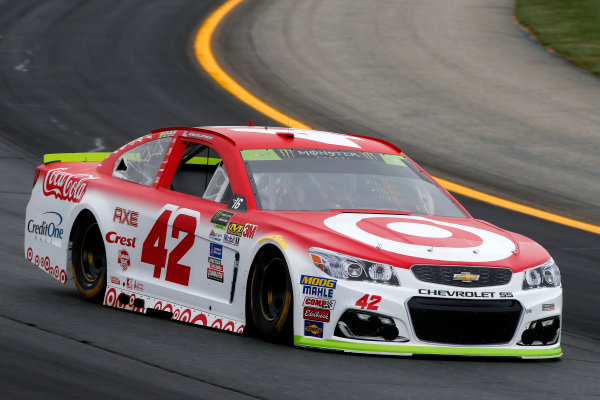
x=88, y=257
x=271, y=297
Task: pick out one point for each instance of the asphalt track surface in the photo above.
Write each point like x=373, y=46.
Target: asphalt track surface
x=456, y=84
x=81, y=76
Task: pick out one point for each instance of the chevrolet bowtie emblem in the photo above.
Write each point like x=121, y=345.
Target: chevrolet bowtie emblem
x=465, y=277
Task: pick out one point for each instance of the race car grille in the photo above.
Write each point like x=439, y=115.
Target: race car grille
x=462, y=275
x=466, y=322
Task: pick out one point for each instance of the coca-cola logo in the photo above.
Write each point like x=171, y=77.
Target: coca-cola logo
x=65, y=185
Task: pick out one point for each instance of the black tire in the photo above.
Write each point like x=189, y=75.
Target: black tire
x=88, y=259
x=271, y=298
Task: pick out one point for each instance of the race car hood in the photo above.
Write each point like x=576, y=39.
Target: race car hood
x=405, y=240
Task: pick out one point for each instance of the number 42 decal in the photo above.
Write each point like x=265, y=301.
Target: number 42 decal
x=369, y=302
x=159, y=248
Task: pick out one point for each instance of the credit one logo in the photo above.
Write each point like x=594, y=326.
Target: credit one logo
x=64, y=185
x=47, y=228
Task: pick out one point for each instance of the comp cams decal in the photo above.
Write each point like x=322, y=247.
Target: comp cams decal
x=428, y=238
x=319, y=303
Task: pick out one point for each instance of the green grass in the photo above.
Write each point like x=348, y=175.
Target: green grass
x=570, y=27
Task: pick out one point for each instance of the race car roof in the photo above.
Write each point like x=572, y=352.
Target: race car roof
x=254, y=137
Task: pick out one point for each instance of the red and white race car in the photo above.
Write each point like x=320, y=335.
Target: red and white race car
x=339, y=241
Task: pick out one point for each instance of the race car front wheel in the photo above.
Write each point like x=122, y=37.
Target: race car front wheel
x=271, y=297
x=88, y=257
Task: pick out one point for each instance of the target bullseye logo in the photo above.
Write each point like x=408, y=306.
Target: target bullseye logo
x=423, y=237
x=421, y=230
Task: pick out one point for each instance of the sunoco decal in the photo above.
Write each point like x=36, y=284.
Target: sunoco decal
x=313, y=328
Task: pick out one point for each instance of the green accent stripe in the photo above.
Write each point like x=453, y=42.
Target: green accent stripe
x=259, y=155
x=393, y=159
x=74, y=157
x=405, y=349
x=203, y=161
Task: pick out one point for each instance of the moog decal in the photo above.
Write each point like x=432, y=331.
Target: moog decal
x=314, y=286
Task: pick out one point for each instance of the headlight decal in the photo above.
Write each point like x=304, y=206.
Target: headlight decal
x=545, y=275
x=342, y=266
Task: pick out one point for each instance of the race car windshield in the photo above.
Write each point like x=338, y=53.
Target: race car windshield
x=320, y=180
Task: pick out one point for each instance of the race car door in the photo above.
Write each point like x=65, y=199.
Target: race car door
x=187, y=238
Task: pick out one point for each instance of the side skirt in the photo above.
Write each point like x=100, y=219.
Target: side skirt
x=114, y=296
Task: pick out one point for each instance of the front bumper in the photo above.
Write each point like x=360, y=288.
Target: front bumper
x=409, y=350
x=487, y=321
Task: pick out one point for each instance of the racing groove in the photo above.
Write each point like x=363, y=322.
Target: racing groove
x=80, y=76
